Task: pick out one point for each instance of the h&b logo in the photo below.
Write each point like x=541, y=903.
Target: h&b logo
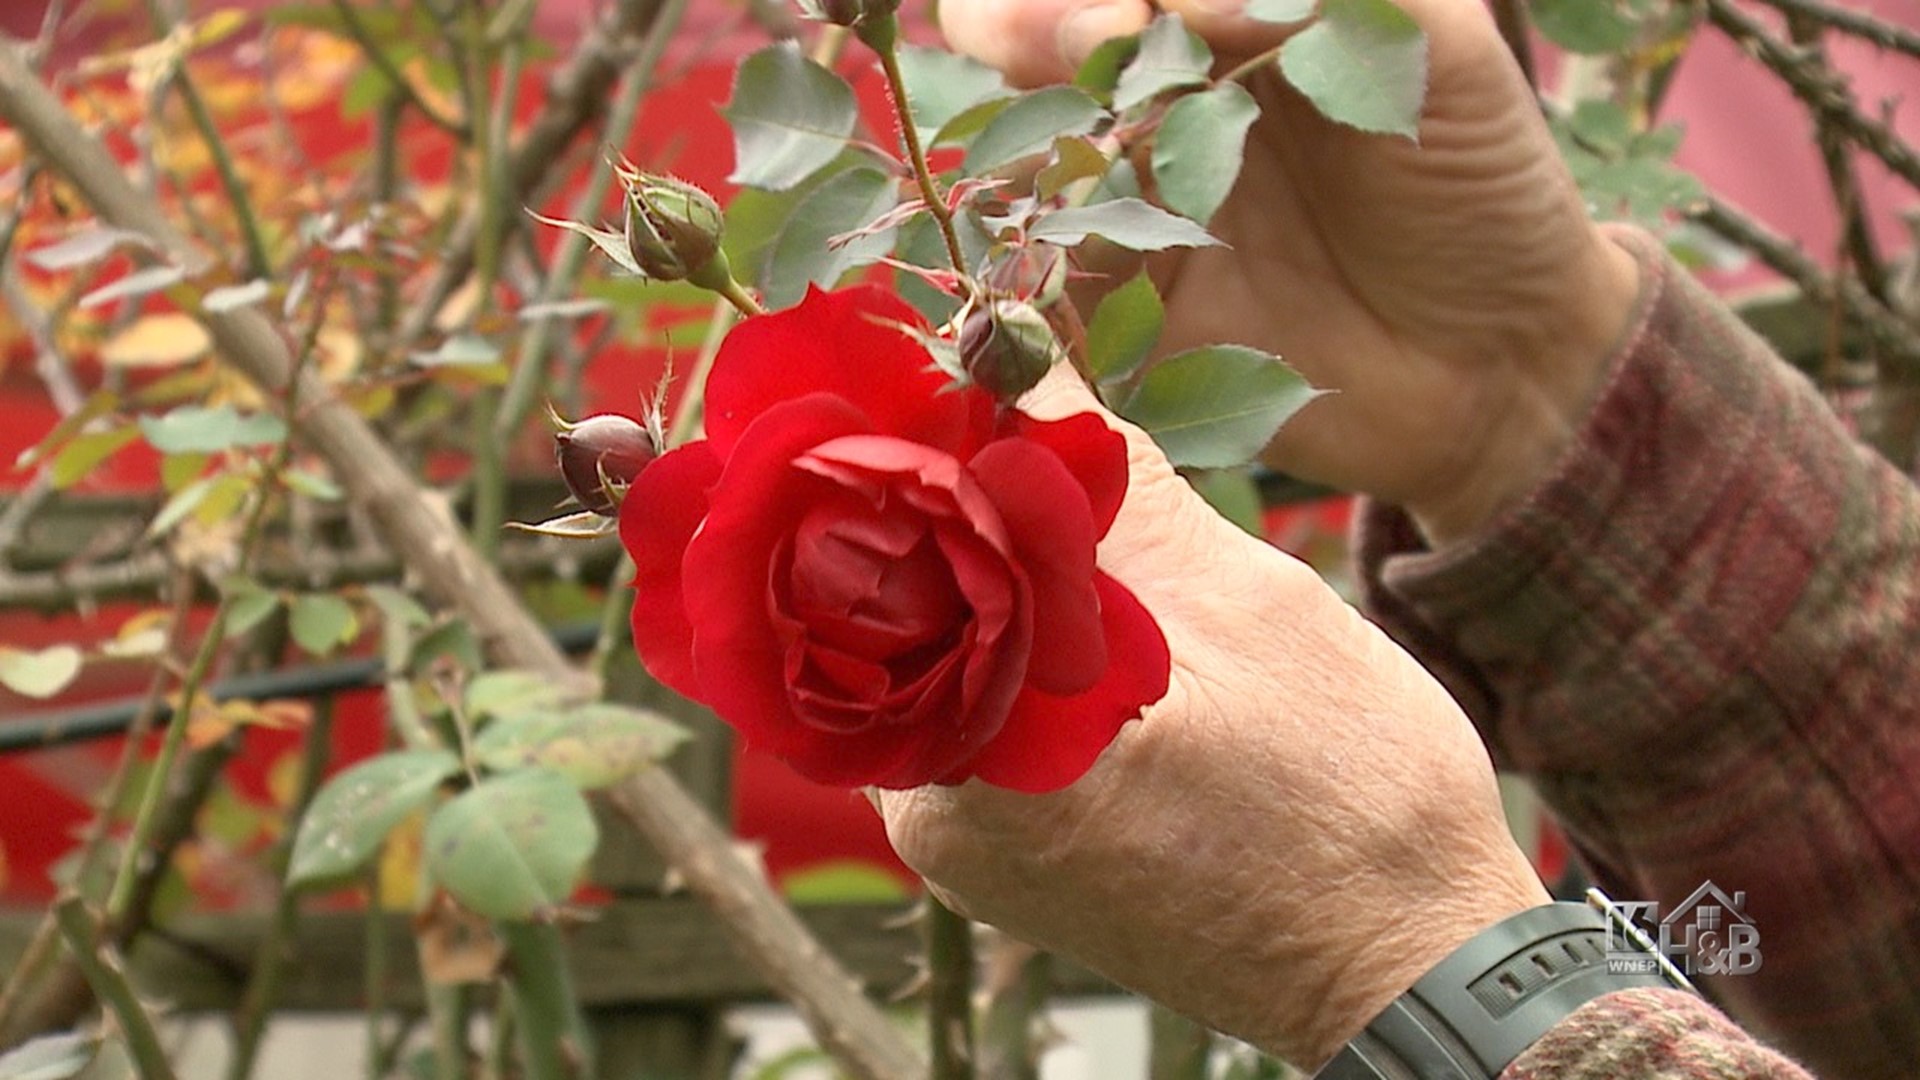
x=1708, y=933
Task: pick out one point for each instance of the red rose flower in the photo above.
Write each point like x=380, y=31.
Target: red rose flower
x=878, y=578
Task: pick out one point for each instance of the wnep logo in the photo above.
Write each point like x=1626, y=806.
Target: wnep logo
x=1708, y=933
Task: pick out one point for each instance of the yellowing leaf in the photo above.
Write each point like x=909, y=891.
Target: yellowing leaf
x=165, y=339
x=398, y=877
x=340, y=353
x=217, y=26
x=143, y=635
x=459, y=307
x=283, y=778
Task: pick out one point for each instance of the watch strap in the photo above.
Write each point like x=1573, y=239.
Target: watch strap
x=1496, y=995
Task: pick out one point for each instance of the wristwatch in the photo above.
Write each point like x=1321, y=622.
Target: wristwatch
x=1493, y=997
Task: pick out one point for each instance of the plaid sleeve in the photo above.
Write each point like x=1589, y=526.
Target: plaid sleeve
x=1649, y=1035
x=1698, y=638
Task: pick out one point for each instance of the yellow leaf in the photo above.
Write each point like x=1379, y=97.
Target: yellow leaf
x=143, y=635
x=459, y=307
x=232, y=388
x=217, y=25
x=399, y=871
x=283, y=778
x=340, y=353
x=166, y=339
x=206, y=727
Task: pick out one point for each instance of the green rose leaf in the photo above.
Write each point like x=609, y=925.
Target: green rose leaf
x=1216, y=407
x=39, y=673
x=248, y=605
x=610, y=242
x=1099, y=73
x=963, y=129
x=1029, y=124
x=512, y=847
x=790, y=117
x=506, y=694
x=208, y=429
x=1170, y=57
x=1128, y=222
x=50, y=1057
x=802, y=254
x=1197, y=154
x=396, y=607
x=920, y=244
x=1363, y=64
x=1075, y=158
x=1234, y=494
x=312, y=485
x=1638, y=189
x=941, y=85
x=180, y=504
x=593, y=746
x=1602, y=127
x=1279, y=11
x=1124, y=329
x=460, y=350
x=353, y=813
x=1593, y=27
x=322, y=622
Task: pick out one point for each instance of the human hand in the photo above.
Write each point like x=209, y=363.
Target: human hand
x=1454, y=292
x=1302, y=827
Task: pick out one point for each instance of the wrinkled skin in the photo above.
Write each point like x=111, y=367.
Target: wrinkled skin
x=1306, y=823
x=1299, y=829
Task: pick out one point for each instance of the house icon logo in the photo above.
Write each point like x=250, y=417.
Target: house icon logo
x=1708, y=933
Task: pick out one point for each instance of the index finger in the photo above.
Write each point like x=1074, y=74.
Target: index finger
x=1038, y=41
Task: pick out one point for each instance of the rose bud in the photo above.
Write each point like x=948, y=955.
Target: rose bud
x=1007, y=347
x=673, y=229
x=600, y=456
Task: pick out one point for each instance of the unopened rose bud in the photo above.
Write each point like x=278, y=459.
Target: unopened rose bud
x=1007, y=347
x=673, y=228
x=600, y=456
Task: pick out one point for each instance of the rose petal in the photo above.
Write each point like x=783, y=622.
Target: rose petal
x=737, y=656
x=662, y=511
x=976, y=545
x=1048, y=742
x=996, y=657
x=843, y=343
x=1050, y=525
x=871, y=758
x=1094, y=453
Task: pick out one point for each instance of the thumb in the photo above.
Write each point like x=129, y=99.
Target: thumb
x=1038, y=41
x=1159, y=507
x=1062, y=392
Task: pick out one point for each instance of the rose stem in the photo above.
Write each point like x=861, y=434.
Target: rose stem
x=882, y=35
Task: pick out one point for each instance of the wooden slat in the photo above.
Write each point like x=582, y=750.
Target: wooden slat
x=634, y=952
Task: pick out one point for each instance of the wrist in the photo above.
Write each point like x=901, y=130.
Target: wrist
x=1537, y=404
x=1387, y=951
